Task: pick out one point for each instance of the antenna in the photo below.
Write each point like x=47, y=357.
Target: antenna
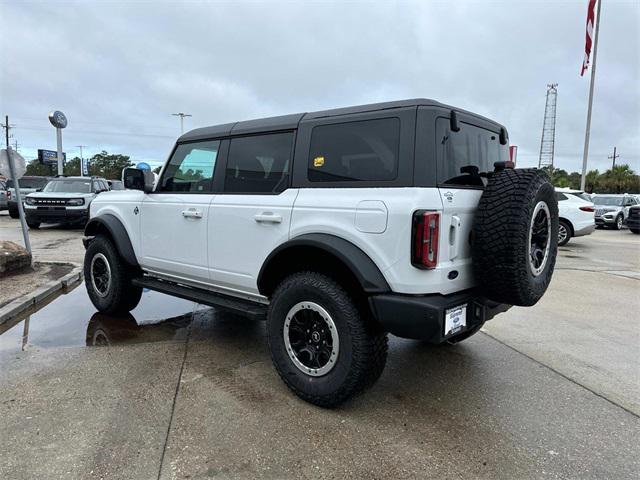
x=547, y=143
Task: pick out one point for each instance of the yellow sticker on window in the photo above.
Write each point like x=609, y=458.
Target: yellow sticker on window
x=318, y=161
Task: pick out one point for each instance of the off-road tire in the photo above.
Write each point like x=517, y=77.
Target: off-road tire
x=567, y=226
x=501, y=236
x=362, y=344
x=34, y=225
x=121, y=295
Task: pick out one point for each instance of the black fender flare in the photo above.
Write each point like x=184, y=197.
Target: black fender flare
x=118, y=233
x=358, y=262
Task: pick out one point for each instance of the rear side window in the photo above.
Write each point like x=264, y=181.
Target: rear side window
x=465, y=157
x=191, y=168
x=355, y=151
x=560, y=196
x=259, y=164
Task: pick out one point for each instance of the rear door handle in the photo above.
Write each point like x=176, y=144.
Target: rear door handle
x=267, y=218
x=192, y=213
x=454, y=230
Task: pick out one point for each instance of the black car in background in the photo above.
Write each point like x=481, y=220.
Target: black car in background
x=633, y=220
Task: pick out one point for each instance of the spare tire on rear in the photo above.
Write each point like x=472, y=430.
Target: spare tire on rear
x=515, y=236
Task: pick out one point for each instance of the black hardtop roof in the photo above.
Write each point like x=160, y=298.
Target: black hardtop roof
x=287, y=122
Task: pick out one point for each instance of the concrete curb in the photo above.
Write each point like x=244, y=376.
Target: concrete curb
x=40, y=294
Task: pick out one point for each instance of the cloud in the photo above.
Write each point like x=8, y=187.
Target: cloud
x=118, y=70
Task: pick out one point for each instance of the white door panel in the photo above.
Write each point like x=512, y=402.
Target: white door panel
x=174, y=234
x=243, y=230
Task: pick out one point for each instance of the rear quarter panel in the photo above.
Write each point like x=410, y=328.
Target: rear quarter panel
x=344, y=211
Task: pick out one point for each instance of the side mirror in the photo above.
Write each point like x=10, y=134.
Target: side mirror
x=136, y=179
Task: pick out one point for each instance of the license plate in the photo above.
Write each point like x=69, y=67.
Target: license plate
x=455, y=320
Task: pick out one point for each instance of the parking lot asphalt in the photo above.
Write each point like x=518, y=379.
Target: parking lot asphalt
x=53, y=243
x=184, y=391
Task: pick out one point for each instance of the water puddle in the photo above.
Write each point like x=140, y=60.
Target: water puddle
x=71, y=320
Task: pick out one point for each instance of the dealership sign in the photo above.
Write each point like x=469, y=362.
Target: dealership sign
x=50, y=157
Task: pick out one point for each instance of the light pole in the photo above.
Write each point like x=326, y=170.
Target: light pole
x=59, y=121
x=181, y=115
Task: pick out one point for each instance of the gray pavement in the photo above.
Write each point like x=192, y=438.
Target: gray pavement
x=545, y=392
x=54, y=243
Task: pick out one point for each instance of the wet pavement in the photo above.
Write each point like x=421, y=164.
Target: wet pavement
x=184, y=391
x=65, y=323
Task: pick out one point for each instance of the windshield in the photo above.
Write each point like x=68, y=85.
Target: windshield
x=68, y=186
x=29, y=182
x=611, y=201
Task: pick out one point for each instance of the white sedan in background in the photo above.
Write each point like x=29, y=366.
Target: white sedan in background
x=577, y=216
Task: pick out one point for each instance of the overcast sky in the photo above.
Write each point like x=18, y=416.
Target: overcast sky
x=119, y=69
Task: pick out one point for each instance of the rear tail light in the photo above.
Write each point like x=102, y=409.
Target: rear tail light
x=425, y=234
x=8, y=194
x=587, y=209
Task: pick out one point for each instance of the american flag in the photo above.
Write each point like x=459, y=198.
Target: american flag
x=589, y=40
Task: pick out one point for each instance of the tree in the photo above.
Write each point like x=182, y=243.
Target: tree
x=591, y=180
x=620, y=179
x=559, y=177
x=35, y=168
x=108, y=165
x=102, y=164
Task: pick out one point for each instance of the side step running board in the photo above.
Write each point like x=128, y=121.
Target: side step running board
x=205, y=297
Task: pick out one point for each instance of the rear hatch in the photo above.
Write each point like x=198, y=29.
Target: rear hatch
x=464, y=158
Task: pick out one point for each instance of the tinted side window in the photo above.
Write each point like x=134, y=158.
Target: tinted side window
x=259, y=164
x=560, y=196
x=191, y=168
x=364, y=150
x=466, y=156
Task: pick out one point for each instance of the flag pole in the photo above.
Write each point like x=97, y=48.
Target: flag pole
x=593, y=79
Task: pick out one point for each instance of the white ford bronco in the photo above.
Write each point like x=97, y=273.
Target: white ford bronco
x=339, y=227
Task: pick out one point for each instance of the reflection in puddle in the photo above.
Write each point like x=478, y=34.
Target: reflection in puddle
x=72, y=320
x=104, y=330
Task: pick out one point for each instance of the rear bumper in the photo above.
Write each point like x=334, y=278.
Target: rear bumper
x=421, y=317
x=57, y=216
x=585, y=230
x=605, y=221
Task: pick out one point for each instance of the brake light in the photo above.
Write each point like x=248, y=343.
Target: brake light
x=425, y=234
x=8, y=194
x=587, y=209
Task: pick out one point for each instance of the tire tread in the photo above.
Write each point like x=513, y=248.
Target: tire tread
x=369, y=343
